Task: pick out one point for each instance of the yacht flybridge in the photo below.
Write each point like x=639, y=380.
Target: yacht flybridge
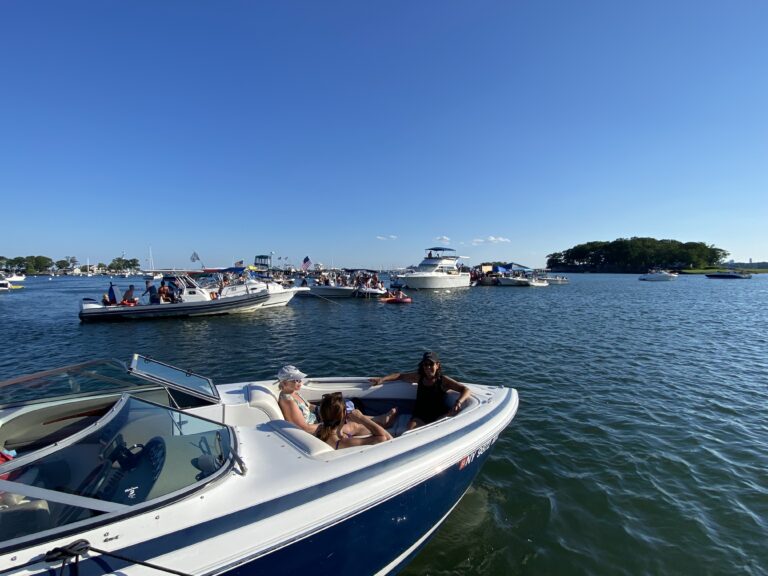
x=148, y=468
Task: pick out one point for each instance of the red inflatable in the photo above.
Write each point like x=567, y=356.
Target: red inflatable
x=393, y=300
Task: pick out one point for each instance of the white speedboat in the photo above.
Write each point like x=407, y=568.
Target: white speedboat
x=5, y=284
x=436, y=271
x=152, y=469
x=514, y=280
x=16, y=277
x=535, y=282
x=192, y=299
x=332, y=291
x=370, y=292
x=658, y=275
x=560, y=280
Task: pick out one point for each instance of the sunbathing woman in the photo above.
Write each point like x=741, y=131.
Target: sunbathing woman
x=333, y=414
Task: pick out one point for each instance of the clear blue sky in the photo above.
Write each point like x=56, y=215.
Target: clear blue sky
x=360, y=133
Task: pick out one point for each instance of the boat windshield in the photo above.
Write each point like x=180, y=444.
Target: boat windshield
x=174, y=377
x=138, y=452
x=97, y=376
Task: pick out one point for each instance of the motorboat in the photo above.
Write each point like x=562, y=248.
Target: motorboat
x=658, y=275
x=518, y=280
x=147, y=468
x=193, y=298
x=347, y=284
x=5, y=284
x=332, y=291
x=437, y=270
x=729, y=275
x=535, y=282
x=15, y=277
x=555, y=279
x=370, y=292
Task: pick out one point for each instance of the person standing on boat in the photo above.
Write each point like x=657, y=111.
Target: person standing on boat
x=433, y=386
x=154, y=297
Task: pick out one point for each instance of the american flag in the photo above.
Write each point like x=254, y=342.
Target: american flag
x=306, y=263
x=239, y=263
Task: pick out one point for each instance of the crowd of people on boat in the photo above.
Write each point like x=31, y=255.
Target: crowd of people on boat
x=360, y=279
x=339, y=423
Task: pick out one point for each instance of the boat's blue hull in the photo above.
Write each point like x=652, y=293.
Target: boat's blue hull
x=385, y=536
x=374, y=539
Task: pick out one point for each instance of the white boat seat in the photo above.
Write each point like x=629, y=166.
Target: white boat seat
x=264, y=399
x=302, y=440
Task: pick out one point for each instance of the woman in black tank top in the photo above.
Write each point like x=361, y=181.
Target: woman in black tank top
x=432, y=390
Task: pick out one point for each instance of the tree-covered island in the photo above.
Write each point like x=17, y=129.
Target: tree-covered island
x=636, y=256
x=67, y=265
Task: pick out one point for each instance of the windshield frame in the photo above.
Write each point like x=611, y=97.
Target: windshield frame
x=135, y=369
x=132, y=383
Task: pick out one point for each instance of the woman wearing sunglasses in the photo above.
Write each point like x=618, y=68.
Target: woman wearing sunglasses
x=432, y=390
x=297, y=410
x=332, y=430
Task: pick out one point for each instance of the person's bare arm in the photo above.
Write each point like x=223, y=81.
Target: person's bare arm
x=378, y=434
x=463, y=391
x=407, y=376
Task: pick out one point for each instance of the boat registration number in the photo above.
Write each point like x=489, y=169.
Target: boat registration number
x=467, y=460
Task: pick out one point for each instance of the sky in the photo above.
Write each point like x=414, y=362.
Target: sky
x=361, y=133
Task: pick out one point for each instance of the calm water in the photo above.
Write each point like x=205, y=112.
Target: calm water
x=640, y=446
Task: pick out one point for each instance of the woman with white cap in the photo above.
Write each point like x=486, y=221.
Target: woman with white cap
x=293, y=405
x=431, y=392
x=297, y=410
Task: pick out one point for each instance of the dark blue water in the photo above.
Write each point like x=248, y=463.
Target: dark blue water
x=640, y=446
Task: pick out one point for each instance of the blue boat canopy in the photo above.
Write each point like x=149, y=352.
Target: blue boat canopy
x=515, y=267
x=438, y=249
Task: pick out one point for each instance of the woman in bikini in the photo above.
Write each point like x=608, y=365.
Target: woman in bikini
x=333, y=415
x=431, y=392
x=297, y=410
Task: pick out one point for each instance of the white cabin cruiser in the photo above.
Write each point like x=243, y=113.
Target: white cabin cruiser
x=126, y=469
x=191, y=299
x=437, y=270
x=16, y=277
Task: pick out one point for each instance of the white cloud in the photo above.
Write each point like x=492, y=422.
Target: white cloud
x=443, y=239
x=381, y=237
x=392, y=237
x=388, y=237
x=489, y=240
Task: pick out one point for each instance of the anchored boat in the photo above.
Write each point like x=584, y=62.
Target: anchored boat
x=125, y=468
x=438, y=270
x=191, y=298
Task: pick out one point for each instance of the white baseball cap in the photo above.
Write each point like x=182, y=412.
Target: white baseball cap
x=290, y=373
